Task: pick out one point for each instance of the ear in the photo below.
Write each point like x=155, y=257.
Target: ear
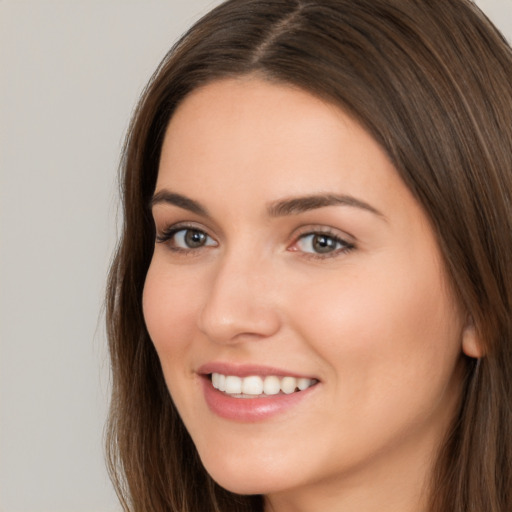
x=471, y=344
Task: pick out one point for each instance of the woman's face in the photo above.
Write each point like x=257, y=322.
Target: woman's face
x=290, y=254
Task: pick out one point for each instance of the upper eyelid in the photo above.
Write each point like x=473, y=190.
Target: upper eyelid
x=169, y=231
x=177, y=226
x=339, y=239
x=326, y=230
x=164, y=223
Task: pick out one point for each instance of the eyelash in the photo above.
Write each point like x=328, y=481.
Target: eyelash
x=167, y=235
x=345, y=248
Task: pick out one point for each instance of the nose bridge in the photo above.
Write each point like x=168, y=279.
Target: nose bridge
x=239, y=304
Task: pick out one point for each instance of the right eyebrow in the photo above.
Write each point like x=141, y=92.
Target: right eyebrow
x=167, y=197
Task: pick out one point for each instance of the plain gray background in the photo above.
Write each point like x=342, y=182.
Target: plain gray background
x=71, y=72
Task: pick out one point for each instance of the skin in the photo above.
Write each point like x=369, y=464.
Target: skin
x=376, y=324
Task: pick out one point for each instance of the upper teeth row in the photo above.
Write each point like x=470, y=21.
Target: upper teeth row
x=254, y=385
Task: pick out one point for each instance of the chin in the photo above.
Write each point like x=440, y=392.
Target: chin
x=244, y=487
x=250, y=479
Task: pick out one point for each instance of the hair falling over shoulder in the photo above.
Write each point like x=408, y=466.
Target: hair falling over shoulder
x=430, y=81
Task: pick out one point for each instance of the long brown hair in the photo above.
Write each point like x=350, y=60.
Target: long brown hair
x=430, y=81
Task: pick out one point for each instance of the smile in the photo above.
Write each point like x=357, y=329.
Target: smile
x=255, y=386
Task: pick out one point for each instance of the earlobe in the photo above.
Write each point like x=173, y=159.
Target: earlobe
x=471, y=343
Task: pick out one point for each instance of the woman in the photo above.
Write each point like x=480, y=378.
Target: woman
x=310, y=307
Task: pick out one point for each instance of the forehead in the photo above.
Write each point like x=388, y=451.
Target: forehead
x=254, y=141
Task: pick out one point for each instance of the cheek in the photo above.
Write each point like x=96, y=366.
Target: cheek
x=381, y=329
x=170, y=305
x=169, y=308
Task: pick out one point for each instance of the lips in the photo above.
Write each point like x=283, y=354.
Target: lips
x=252, y=393
x=246, y=370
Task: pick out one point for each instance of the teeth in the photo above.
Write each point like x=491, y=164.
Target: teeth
x=222, y=382
x=255, y=385
x=219, y=381
x=252, y=386
x=288, y=385
x=233, y=385
x=302, y=384
x=271, y=385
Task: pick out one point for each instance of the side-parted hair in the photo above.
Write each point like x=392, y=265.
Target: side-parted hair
x=430, y=80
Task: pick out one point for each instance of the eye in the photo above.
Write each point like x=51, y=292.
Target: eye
x=185, y=239
x=321, y=244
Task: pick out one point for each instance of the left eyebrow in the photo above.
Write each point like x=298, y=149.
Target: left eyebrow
x=297, y=205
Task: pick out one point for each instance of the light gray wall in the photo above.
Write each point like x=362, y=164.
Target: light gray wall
x=70, y=75
x=71, y=72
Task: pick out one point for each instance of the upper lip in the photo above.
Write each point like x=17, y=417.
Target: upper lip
x=246, y=370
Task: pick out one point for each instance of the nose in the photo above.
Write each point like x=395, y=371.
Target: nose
x=241, y=302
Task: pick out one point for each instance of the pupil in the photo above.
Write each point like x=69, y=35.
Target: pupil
x=323, y=243
x=195, y=238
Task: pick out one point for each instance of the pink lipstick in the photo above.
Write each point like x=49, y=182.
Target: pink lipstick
x=251, y=393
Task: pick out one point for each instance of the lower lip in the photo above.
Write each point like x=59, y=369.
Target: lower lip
x=250, y=409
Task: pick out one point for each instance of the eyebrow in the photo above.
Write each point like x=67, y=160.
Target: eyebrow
x=303, y=204
x=166, y=197
x=282, y=208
